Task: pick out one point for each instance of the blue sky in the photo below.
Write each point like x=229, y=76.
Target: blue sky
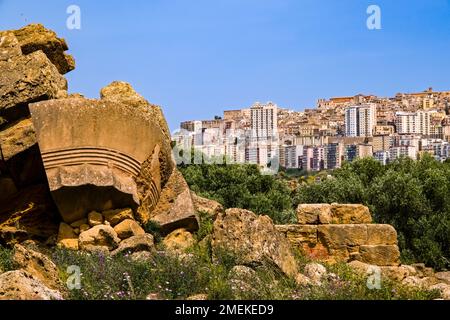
x=196, y=58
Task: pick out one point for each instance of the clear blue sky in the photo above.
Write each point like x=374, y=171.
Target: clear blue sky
x=198, y=57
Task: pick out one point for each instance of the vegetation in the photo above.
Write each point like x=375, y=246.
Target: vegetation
x=6, y=263
x=413, y=196
x=242, y=186
x=178, y=277
x=171, y=276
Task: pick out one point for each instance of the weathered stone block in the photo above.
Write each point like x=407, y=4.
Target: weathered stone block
x=336, y=236
x=298, y=235
x=313, y=213
x=253, y=240
x=175, y=209
x=350, y=214
x=381, y=255
x=381, y=234
x=128, y=228
x=27, y=79
x=35, y=37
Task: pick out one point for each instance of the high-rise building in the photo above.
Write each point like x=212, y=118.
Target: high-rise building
x=264, y=134
x=360, y=121
x=264, y=122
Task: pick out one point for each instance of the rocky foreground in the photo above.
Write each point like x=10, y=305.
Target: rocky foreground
x=93, y=180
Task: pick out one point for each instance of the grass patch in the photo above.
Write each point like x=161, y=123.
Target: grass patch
x=195, y=272
x=6, y=261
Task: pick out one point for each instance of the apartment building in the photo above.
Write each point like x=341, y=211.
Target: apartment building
x=360, y=121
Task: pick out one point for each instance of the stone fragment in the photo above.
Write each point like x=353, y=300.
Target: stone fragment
x=302, y=280
x=25, y=80
x=309, y=213
x=179, y=240
x=244, y=282
x=38, y=265
x=253, y=240
x=443, y=277
x=335, y=236
x=9, y=46
x=35, y=37
x=175, y=208
x=99, y=236
x=381, y=234
x=79, y=223
x=29, y=213
x=84, y=227
x=381, y=255
x=124, y=165
x=315, y=272
x=116, y=216
x=95, y=218
x=210, y=207
x=21, y=285
x=350, y=214
x=143, y=242
x=298, y=235
x=67, y=238
x=128, y=228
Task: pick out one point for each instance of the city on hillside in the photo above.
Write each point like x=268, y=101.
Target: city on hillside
x=337, y=130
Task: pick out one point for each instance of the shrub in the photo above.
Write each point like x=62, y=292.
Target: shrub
x=241, y=186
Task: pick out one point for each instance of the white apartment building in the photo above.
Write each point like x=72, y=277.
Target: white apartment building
x=403, y=151
x=307, y=159
x=414, y=122
x=360, y=121
x=263, y=145
x=290, y=156
x=264, y=120
x=381, y=156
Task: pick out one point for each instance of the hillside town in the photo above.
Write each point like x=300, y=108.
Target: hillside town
x=337, y=130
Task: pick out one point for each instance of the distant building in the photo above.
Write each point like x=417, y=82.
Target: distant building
x=351, y=152
x=360, y=121
x=403, y=151
x=264, y=122
x=263, y=146
x=318, y=158
x=381, y=156
x=308, y=158
x=365, y=151
x=332, y=156
x=381, y=143
x=291, y=156
x=413, y=122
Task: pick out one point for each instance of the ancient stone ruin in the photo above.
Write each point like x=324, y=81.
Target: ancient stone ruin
x=65, y=157
x=342, y=232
